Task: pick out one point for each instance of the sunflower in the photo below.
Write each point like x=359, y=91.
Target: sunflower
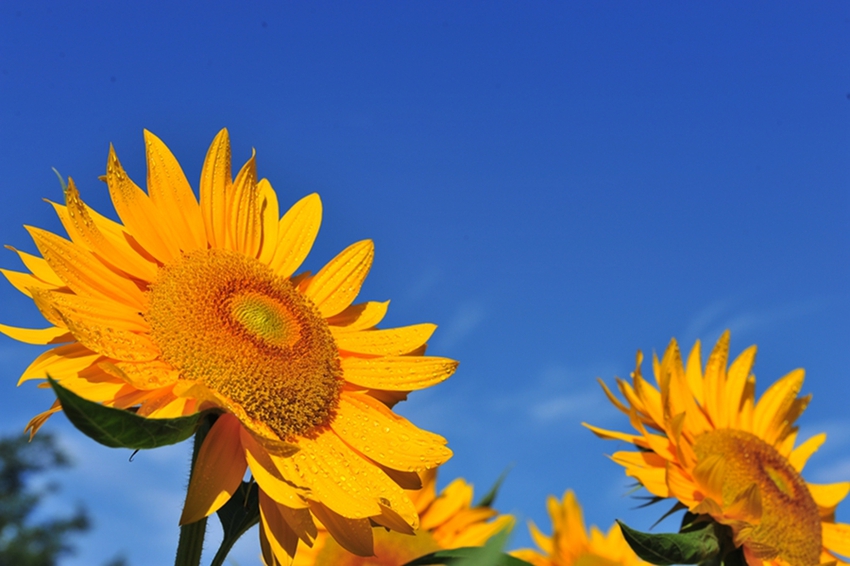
x=704, y=440
x=570, y=544
x=187, y=305
x=448, y=520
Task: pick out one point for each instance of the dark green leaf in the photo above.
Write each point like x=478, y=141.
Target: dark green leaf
x=488, y=555
x=467, y=556
x=119, y=428
x=698, y=544
x=240, y=513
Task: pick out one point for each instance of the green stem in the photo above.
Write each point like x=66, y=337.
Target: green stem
x=191, y=543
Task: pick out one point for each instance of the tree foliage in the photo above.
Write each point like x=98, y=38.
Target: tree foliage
x=26, y=540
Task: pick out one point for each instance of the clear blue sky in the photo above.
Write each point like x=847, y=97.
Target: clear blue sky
x=554, y=185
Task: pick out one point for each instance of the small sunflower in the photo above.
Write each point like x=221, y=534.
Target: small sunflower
x=186, y=305
x=448, y=520
x=570, y=544
x=705, y=440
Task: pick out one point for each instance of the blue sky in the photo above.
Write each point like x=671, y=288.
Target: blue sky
x=555, y=185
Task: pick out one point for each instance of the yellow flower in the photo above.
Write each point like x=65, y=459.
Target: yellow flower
x=570, y=544
x=185, y=305
x=704, y=440
x=447, y=520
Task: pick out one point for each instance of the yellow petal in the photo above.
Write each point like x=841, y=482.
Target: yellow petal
x=270, y=218
x=647, y=468
x=94, y=311
x=216, y=182
x=714, y=382
x=83, y=272
x=354, y=535
x=736, y=383
x=397, y=373
x=803, y=452
x=836, y=537
x=116, y=343
x=771, y=411
x=152, y=374
x=337, y=476
x=693, y=372
x=456, y=496
x=218, y=470
x=37, y=421
x=368, y=426
x=337, y=284
x=172, y=196
x=60, y=362
x=246, y=223
x=24, y=282
x=616, y=435
x=51, y=335
x=361, y=316
x=384, y=342
x=828, y=496
x=296, y=233
x=478, y=534
x=97, y=331
x=281, y=538
x=462, y=520
x=301, y=522
x=85, y=230
x=268, y=477
x=39, y=268
x=138, y=213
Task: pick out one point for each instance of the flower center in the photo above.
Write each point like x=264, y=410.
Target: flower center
x=790, y=526
x=227, y=322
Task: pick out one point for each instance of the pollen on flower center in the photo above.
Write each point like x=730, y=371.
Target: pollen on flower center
x=790, y=526
x=226, y=321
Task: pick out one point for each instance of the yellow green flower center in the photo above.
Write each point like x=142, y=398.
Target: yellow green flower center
x=789, y=527
x=226, y=321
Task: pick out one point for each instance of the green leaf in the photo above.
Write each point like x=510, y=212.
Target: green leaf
x=488, y=555
x=118, y=428
x=490, y=496
x=240, y=513
x=468, y=556
x=696, y=544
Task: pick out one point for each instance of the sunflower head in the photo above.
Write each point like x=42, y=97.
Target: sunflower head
x=572, y=545
x=705, y=440
x=190, y=302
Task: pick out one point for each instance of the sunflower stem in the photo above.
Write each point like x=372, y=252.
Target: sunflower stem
x=191, y=543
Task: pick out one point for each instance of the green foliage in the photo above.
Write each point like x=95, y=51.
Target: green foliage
x=23, y=543
x=491, y=554
x=240, y=513
x=701, y=540
x=118, y=428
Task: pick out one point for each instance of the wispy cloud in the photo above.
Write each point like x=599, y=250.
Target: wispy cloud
x=710, y=321
x=467, y=318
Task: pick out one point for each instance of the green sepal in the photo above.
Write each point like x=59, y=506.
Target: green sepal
x=491, y=554
x=240, y=513
x=696, y=544
x=120, y=428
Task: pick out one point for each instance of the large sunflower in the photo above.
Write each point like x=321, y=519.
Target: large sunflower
x=447, y=520
x=185, y=305
x=705, y=440
x=570, y=544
